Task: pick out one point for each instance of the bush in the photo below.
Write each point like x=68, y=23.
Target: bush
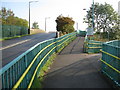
x=65, y=24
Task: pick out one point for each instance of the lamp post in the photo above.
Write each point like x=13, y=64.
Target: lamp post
x=91, y=30
x=29, y=15
x=45, y=22
x=77, y=25
x=93, y=16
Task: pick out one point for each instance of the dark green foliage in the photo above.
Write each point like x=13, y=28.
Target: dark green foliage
x=105, y=20
x=64, y=24
x=8, y=18
x=12, y=26
x=35, y=25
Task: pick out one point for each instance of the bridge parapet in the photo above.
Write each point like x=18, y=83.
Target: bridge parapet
x=20, y=73
x=92, y=46
x=110, y=65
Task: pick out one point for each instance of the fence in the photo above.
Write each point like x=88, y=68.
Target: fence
x=12, y=31
x=110, y=65
x=21, y=72
x=92, y=46
x=81, y=33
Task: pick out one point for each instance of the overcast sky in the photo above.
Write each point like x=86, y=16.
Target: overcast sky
x=52, y=9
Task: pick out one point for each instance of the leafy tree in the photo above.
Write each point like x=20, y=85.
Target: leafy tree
x=64, y=24
x=6, y=13
x=35, y=25
x=105, y=19
x=117, y=29
x=8, y=18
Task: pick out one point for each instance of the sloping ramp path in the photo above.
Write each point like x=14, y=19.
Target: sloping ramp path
x=74, y=69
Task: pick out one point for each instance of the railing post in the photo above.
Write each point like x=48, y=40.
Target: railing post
x=26, y=63
x=56, y=44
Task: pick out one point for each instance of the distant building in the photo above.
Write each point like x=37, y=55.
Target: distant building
x=119, y=7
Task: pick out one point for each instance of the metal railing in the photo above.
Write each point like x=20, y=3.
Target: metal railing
x=81, y=33
x=21, y=72
x=110, y=65
x=92, y=46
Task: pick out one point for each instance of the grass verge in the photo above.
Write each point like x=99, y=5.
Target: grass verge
x=39, y=79
x=35, y=31
x=8, y=38
x=38, y=82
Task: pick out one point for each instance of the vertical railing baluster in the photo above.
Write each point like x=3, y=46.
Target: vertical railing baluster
x=26, y=64
x=7, y=82
x=11, y=81
x=3, y=81
x=12, y=75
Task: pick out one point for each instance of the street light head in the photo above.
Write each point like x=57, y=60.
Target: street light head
x=47, y=17
x=32, y=1
x=35, y=1
x=84, y=9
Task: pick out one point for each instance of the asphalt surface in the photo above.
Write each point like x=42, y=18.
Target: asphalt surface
x=15, y=47
x=74, y=69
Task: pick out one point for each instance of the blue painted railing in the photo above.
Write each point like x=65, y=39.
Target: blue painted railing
x=21, y=71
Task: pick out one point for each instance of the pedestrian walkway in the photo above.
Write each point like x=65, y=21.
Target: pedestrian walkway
x=74, y=69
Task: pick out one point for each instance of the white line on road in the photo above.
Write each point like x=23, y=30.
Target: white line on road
x=14, y=44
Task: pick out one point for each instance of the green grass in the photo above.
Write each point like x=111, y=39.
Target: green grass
x=39, y=79
x=96, y=38
x=36, y=31
x=8, y=38
x=38, y=82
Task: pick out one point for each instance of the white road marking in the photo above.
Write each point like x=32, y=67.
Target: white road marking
x=14, y=44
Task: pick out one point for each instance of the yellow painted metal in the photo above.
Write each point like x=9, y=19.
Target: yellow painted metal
x=30, y=84
x=110, y=66
x=95, y=43
x=63, y=38
x=26, y=71
x=110, y=54
x=64, y=41
x=93, y=47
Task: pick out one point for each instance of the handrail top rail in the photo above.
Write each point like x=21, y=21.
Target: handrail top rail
x=110, y=54
x=111, y=41
x=6, y=67
x=3, y=69
x=111, y=45
x=26, y=71
x=108, y=43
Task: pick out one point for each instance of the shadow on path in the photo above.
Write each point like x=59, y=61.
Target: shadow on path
x=75, y=69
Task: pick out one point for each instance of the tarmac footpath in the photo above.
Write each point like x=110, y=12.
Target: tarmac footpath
x=74, y=69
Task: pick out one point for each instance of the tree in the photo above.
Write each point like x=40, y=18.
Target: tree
x=105, y=18
x=4, y=14
x=35, y=25
x=117, y=29
x=64, y=24
x=9, y=18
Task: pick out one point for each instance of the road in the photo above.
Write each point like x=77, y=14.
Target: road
x=15, y=47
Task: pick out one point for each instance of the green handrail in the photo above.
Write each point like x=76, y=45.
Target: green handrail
x=16, y=63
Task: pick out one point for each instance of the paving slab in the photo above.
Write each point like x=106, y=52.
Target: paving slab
x=74, y=69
